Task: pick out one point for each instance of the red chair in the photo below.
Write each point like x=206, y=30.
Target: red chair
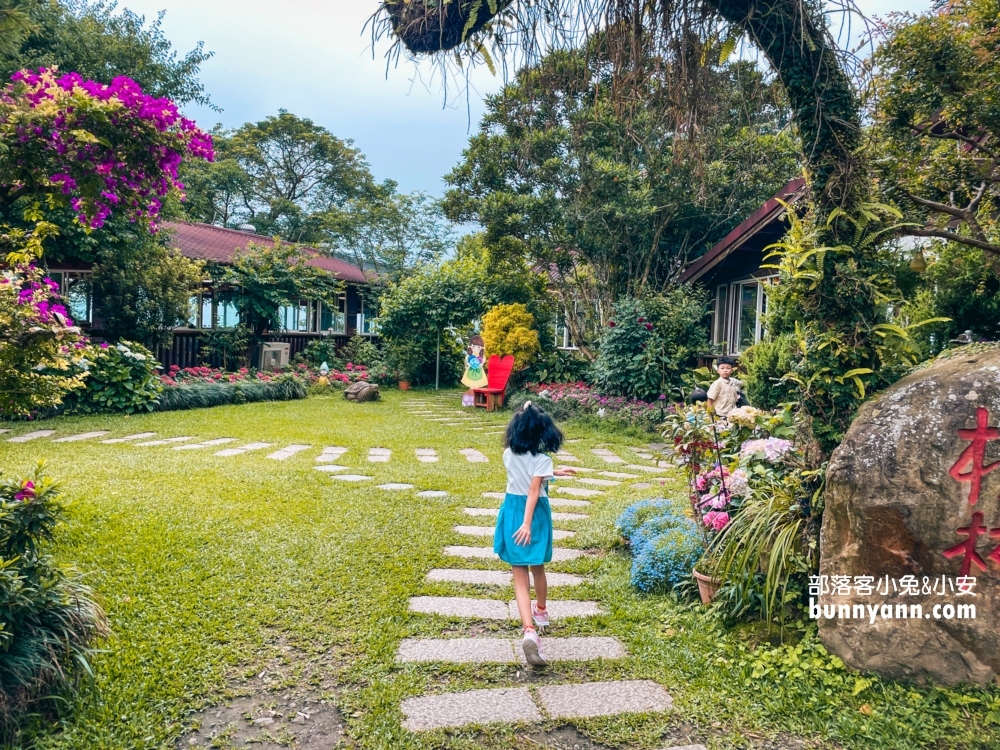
x=497, y=374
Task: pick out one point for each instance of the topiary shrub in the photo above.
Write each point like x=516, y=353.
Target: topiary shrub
x=204, y=395
x=764, y=364
x=121, y=378
x=48, y=617
x=509, y=329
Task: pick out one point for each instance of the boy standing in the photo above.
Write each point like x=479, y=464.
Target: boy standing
x=725, y=392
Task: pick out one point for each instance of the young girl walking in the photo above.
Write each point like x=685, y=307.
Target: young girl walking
x=523, y=535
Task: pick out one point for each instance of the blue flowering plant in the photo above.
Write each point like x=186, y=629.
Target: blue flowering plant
x=665, y=543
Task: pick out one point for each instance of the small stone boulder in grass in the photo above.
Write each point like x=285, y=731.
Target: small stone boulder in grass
x=912, y=515
x=362, y=391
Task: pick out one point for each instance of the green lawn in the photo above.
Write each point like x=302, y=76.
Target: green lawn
x=208, y=567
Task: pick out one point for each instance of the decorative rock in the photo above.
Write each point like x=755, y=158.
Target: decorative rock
x=455, y=606
x=32, y=436
x=81, y=436
x=395, y=486
x=243, y=449
x=350, y=477
x=901, y=500
x=361, y=391
x=330, y=455
x=603, y=699
x=510, y=705
x=379, y=455
x=206, y=444
x=432, y=493
x=139, y=436
x=288, y=452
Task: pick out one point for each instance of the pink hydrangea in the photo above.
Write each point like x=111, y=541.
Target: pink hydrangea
x=716, y=520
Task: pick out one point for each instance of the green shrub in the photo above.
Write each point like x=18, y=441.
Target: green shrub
x=361, y=351
x=48, y=617
x=649, y=344
x=322, y=350
x=560, y=366
x=121, y=378
x=764, y=364
x=203, y=395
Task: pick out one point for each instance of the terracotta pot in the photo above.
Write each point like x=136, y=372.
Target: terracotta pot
x=404, y=385
x=707, y=586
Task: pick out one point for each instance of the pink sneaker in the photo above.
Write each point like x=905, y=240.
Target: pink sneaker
x=540, y=616
x=532, y=646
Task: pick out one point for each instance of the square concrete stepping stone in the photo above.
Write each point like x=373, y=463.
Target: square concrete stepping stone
x=496, y=577
x=577, y=469
x=458, y=650
x=647, y=469
x=577, y=649
x=206, y=444
x=482, y=511
x=427, y=455
x=243, y=449
x=81, y=436
x=395, y=486
x=559, y=554
x=127, y=438
x=379, y=455
x=562, y=502
x=167, y=441
x=31, y=436
x=560, y=610
x=642, y=486
x=604, y=699
x=605, y=455
x=564, y=456
x=578, y=491
x=474, y=530
x=349, y=477
x=456, y=606
x=432, y=493
x=288, y=451
x=330, y=468
x=569, y=516
x=618, y=475
x=599, y=482
x=473, y=456
x=330, y=455
x=495, y=495
x=507, y=705
x=3, y=432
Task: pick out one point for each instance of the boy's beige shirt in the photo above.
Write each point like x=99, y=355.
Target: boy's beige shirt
x=725, y=394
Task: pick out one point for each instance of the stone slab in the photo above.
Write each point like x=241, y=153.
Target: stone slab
x=330, y=468
x=31, y=436
x=598, y=482
x=395, y=486
x=127, y=438
x=604, y=699
x=288, y=451
x=432, y=493
x=495, y=495
x=578, y=649
x=473, y=456
x=81, y=436
x=569, y=516
x=577, y=469
x=379, y=455
x=508, y=705
x=167, y=441
x=456, y=606
x=686, y=747
x=457, y=650
x=496, y=577
x=562, y=502
x=349, y=477
x=577, y=491
x=642, y=486
x=427, y=455
x=607, y=456
x=474, y=530
x=618, y=475
x=471, y=553
x=243, y=449
x=482, y=512
x=206, y=444
x=563, y=609
x=647, y=469
x=564, y=456
x=331, y=455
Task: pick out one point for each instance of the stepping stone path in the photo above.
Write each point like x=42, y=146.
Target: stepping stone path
x=395, y=486
x=493, y=609
x=599, y=482
x=473, y=456
x=243, y=449
x=578, y=491
x=206, y=444
x=496, y=577
x=31, y=436
x=605, y=455
x=559, y=554
x=507, y=705
x=81, y=436
x=288, y=452
x=642, y=486
x=432, y=493
x=350, y=477
x=504, y=650
x=618, y=475
x=379, y=455
x=495, y=495
x=564, y=456
x=577, y=469
x=427, y=455
x=562, y=502
x=603, y=699
x=166, y=441
x=555, y=516
x=139, y=436
x=330, y=455
x=488, y=531
x=330, y=468
x=647, y=469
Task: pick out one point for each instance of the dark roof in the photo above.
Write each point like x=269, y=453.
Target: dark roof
x=771, y=211
x=207, y=242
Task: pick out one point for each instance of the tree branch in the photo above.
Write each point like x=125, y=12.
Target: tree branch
x=953, y=237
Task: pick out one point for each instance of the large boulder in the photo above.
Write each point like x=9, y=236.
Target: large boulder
x=899, y=502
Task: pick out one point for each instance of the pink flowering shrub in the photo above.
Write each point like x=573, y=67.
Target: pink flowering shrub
x=565, y=400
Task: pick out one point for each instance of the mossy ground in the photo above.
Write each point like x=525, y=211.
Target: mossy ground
x=207, y=565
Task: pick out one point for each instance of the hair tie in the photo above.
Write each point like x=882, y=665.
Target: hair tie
x=526, y=405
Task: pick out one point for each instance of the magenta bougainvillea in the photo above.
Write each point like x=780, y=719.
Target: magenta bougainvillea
x=98, y=148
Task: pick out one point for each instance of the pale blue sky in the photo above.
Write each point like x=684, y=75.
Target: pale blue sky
x=312, y=58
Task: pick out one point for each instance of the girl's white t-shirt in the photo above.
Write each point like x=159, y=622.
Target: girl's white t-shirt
x=523, y=467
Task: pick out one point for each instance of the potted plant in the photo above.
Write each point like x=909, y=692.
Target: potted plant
x=708, y=585
x=404, y=381
x=404, y=357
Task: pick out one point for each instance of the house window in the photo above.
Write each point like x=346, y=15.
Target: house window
x=739, y=314
x=303, y=317
x=367, y=325
x=195, y=308
x=207, y=318
x=78, y=291
x=334, y=320
x=562, y=339
x=226, y=315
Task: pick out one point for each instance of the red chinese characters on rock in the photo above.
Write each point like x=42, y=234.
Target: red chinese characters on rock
x=974, y=459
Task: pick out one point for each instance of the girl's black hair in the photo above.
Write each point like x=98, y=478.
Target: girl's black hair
x=532, y=431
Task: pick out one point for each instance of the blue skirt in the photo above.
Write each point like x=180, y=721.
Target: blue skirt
x=539, y=550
